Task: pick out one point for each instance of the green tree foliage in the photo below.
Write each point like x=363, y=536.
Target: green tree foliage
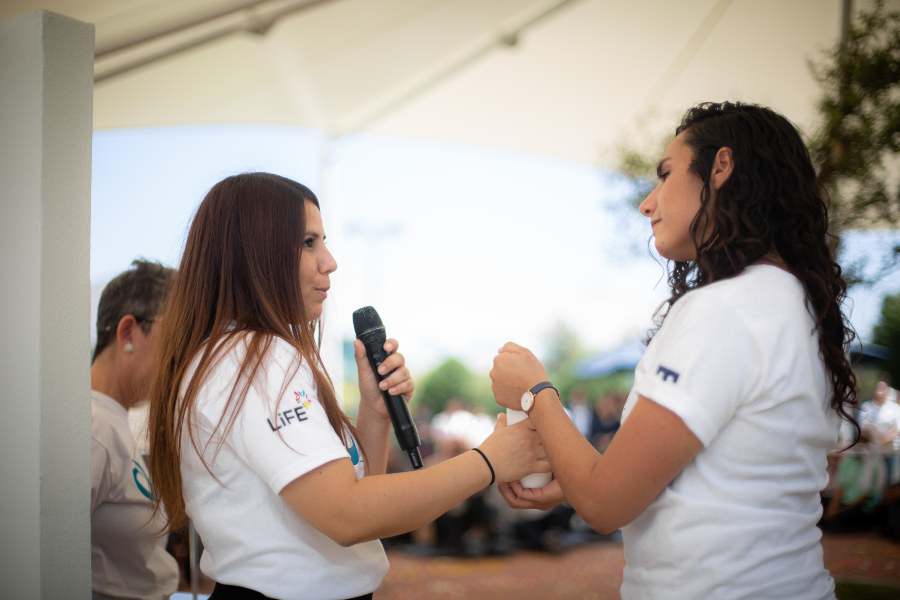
x=887, y=333
x=858, y=143
x=564, y=353
x=564, y=350
x=860, y=132
x=452, y=379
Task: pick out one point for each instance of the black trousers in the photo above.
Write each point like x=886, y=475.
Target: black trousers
x=224, y=591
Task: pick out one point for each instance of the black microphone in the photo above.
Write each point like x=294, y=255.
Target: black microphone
x=370, y=331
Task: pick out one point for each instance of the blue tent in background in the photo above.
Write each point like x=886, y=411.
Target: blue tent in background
x=869, y=354
x=623, y=358
x=626, y=357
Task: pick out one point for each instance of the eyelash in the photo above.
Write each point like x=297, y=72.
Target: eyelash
x=309, y=242
x=662, y=176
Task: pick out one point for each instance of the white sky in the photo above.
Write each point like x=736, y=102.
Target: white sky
x=459, y=249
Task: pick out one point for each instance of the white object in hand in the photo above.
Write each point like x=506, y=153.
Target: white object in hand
x=535, y=480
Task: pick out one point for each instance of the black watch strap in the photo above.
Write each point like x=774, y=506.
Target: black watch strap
x=540, y=387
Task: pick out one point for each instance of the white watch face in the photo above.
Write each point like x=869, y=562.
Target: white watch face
x=527, y=401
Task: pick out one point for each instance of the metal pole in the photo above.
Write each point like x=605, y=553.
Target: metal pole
x=846, y=14
x=193, y=560
x=256, y=18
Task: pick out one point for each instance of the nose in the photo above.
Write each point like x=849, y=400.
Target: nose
x=648, y=204
x=327, y=264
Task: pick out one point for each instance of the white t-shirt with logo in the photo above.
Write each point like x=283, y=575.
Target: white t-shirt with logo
x=738, y=360
x=128, y=550
x=251, y=537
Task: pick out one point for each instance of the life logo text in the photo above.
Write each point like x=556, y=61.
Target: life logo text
x=295, y=414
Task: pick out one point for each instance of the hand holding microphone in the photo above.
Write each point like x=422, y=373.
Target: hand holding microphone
x=391, y=377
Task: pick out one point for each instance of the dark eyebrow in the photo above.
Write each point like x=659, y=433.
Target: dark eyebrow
x=659, y=167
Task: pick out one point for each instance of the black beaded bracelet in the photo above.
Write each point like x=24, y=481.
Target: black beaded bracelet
x=489, y=465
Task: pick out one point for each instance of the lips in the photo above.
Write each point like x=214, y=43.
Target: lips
x=323, y=292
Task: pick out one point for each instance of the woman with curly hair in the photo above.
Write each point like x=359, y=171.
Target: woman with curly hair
x=716, y=472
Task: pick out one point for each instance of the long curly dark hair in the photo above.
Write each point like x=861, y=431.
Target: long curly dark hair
x=771, y=204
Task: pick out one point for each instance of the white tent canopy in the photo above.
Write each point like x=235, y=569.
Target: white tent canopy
x=565, y=78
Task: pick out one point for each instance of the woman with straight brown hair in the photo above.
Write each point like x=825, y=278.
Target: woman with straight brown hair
x=247, y=438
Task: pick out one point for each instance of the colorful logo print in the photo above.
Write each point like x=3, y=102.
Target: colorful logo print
x=303, y=399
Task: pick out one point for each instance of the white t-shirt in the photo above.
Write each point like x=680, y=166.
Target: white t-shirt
x=251, y=537
x=128, y=552
x=739, y=362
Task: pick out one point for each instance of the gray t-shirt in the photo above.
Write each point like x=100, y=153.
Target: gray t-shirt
x=128, y=553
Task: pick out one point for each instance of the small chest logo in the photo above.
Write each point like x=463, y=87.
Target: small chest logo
x=667, y=374
x=297, y=414
x=353, y=451
x=142, y=480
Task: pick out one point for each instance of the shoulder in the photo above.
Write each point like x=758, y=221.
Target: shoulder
x=758, y=292
x=257, y=368
x=261, y=355
x=109, y=429
x=285, y=353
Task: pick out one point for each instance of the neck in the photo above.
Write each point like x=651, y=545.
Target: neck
x=774, y=259
x=105, y=381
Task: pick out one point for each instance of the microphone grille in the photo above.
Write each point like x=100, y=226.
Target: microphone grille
x=364, y=319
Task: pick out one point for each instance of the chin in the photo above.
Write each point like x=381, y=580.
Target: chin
x=674, y=255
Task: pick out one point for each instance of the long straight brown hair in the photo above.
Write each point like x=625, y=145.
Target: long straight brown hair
x=239, y=279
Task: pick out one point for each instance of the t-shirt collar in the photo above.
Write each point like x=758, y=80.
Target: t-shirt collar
x=108, y=402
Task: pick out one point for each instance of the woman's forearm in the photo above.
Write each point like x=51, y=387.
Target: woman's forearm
x=574, y=460
x=374, y=431
x=387, y=505
x=610, y=490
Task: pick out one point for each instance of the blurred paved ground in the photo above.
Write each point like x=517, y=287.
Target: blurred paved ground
x=592, y=572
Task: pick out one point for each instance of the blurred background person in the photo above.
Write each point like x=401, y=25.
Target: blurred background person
x=128, y=555
x=605, y=420
x=879, y=418
x=581, y=412
x=470, y=528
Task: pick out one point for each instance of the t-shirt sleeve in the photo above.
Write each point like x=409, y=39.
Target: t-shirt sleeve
x=702, y=364
x=282, y=430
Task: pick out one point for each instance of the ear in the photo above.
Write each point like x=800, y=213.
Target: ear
x=723, y=166
x=125, y=332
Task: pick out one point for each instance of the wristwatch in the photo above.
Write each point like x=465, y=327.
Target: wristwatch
x=528, y=397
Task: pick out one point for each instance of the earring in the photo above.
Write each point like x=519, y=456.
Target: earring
x=129, y=347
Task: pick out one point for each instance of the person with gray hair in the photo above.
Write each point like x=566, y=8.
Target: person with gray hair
x=128, y=555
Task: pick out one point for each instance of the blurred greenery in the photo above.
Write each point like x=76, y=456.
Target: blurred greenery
x=859, y=136
x=857, y=144
x=564, y=353
x=887, y=333
x=452, y=379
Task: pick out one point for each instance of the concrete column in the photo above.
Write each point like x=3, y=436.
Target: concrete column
x=46, y=84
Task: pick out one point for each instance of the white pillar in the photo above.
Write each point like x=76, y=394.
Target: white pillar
x=46, y=82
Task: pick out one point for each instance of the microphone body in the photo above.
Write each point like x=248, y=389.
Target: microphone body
x=535, y=480
x=370, y=331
